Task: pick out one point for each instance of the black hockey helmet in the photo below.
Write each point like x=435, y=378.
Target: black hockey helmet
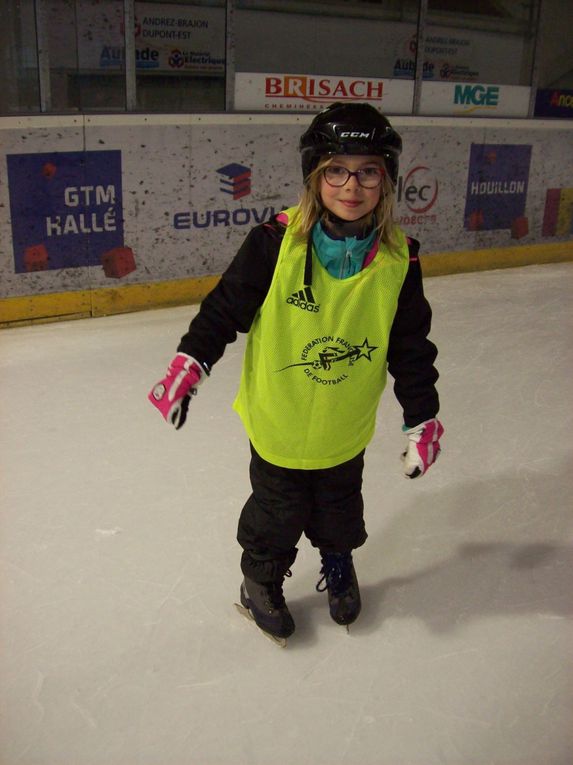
x=355, y=128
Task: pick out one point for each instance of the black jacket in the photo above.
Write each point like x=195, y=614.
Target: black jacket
x=232, y=305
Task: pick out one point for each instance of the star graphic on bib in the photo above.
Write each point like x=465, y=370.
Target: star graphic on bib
x=364, y=350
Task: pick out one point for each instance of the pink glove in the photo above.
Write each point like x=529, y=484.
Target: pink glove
x=173, y=394
x=423, y=447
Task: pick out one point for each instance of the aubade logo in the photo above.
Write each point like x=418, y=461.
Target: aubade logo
x=234, y=180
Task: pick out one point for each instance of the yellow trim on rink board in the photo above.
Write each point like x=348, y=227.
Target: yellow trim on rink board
x=105, y=301
x=465, y=261
x=59, y=306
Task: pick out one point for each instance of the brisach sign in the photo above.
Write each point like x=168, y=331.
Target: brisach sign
x=311, y=93
x=305, y=92
x=324, y=89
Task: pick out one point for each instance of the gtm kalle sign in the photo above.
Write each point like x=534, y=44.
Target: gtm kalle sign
x=66, y=208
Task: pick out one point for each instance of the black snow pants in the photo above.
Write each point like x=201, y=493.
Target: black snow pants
x=326, y=505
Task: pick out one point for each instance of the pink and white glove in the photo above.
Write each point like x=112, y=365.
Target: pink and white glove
x=423, y=447
x=172, y=395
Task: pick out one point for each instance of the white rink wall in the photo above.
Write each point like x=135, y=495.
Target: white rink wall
x=92, y=202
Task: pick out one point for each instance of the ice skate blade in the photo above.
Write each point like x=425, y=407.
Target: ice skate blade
x=281, y=642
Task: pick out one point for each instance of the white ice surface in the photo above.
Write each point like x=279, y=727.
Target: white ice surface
x=119, y=567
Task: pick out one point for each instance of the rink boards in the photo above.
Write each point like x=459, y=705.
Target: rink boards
x=106, y=214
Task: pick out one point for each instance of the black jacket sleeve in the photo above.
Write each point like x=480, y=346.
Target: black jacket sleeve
x=232, y=305
x=411, y=354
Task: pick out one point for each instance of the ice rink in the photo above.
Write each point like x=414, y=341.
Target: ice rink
x=120, y=644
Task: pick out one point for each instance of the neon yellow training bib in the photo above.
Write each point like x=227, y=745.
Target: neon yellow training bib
x=315, y=361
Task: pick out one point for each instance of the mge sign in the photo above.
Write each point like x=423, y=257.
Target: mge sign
x=476, y=96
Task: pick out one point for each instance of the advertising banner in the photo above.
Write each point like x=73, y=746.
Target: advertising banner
x=496, y=194
x=66, y=209
x=307, y=93
x=461, y=55
x=554, y=103
x=463, y=99
x=187, y=37
x=157, y=198
x=379, y=47
x=558, y=212
x=417, y=194
x=168, y=38
x=311, y=93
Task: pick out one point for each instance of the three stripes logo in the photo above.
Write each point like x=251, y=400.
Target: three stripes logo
x=304, y=299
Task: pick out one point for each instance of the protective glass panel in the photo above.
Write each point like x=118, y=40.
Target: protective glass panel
x=180, y=56
x=85, y=54
x=486, y=42
x=297, y=56
x=19, y=83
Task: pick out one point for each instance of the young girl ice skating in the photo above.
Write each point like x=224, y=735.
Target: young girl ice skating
x=330, y=294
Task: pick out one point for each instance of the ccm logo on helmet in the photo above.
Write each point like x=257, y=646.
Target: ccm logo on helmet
x=354, y=134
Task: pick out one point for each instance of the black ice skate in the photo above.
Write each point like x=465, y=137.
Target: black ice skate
x=265, y=605
x=339, y=578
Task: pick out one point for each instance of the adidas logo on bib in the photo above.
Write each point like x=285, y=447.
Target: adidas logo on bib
x=304, y=299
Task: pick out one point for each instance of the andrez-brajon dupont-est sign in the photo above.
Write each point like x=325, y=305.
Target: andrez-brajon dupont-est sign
x=311, y=93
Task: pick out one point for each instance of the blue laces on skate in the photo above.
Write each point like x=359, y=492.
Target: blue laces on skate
x=335, y=573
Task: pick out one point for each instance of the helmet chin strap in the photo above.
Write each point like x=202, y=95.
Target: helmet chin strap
x=342, y=228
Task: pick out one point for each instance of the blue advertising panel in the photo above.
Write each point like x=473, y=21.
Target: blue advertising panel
x=498, y=177
x=66, y=208
x=550, y=102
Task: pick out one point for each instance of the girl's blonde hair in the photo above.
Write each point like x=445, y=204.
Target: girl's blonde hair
x=311, y=209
